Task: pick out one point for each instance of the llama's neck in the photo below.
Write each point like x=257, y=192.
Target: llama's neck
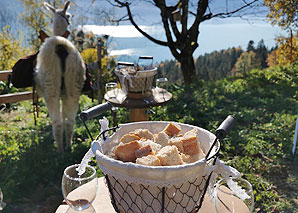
x=59, y=26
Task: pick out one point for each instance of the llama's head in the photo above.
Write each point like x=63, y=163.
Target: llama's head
x=61, y=18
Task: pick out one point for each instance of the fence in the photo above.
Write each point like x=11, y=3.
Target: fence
x=14, y=97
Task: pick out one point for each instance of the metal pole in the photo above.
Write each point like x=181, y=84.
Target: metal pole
x=295, y=137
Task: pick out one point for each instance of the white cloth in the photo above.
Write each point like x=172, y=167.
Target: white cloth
x=122, y=78
x=104, y=124
x=125, y=76
x=220, y=168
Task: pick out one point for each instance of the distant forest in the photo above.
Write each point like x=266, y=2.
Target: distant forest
x=220, y=64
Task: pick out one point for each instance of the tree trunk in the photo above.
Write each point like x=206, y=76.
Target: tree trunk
x=188, y=69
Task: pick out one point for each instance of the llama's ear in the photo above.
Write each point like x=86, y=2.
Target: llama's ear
x=49, y=7
x=66, y=6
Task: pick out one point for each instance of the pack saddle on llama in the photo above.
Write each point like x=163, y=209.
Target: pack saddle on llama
x=60, y=73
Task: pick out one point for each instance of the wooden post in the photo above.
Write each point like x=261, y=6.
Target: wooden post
x=4, y=75
x=138, y=115
x=291, y=47
x=99, y=74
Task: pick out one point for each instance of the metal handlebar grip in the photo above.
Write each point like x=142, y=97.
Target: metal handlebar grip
x=95, y=111
x=224, y=127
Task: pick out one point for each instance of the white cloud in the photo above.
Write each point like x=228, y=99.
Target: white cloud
x=123, y=52
x=121, y=31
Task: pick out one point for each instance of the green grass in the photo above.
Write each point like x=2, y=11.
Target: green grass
x=31, y=169
x=264, y=103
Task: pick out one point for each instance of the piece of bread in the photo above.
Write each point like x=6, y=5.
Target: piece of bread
x=169, y=156
x=143, y=133
x=149, y=160
x=129, y=137
x=126, y=152
x=154, y=146
x=177, y=141
x=172, y=129
x=144, y=151
x=189, y=158
x=162, y=138
x=190, y=143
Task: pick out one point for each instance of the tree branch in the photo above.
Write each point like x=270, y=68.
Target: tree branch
x=184, y=17
x=193, y=32
x=126, y=5
x=169, y=11
x=164, y=16
x=124, y=18
x=229, y=14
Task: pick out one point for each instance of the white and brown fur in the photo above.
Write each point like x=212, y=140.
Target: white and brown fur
x=60, y=74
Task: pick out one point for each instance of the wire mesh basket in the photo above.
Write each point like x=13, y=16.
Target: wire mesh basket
x=130, y=197
x=136, y=78
x=139, y=188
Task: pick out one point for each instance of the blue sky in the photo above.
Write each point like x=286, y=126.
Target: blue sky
x=215, y=34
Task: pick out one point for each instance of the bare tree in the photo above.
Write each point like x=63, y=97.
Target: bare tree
x=182, y=39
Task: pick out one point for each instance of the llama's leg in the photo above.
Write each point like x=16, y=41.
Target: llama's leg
x=49, y=75
x=54, y=112
x=69, y=112
x=74, y=77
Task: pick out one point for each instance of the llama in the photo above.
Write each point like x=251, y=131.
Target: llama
x=60, y=73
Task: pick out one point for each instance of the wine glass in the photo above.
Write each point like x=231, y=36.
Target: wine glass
x=112, y=89
x=79, y=191
x=162, y=83
x=2, y=204
x=233, y=195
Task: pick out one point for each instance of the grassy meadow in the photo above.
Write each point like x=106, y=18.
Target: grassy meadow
x=264, y=103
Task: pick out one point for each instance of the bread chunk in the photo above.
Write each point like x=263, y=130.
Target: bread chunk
x=189, y=158
x=169, y=156
x=126, y=152
x=190, y=143
x=144, y=151
x=129, y=137
x=149, y=160
x=162, y=138
x=177, y=141
x=172, y=129
x=143, y=133
x=154, y=146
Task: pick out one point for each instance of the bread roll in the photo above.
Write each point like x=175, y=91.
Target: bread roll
x=169, y=156
x=126, y=152
x=154, y=146
x=162, y=138
x=190, y=143
x=149, y=160
x=144, y=151
x=189, y=158
x=129, y=137
x=143, y=133
x=172, y=129
x=177, y=141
